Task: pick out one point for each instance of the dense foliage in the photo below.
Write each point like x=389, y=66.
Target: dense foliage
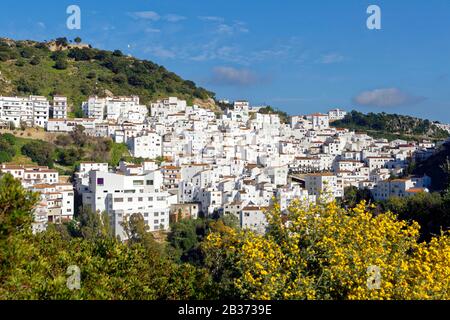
x=391, y=126
x=35, y=266
x=7, y=149
x=434, y=167
x=40, y=152
x=327, y=252
x=65, y=152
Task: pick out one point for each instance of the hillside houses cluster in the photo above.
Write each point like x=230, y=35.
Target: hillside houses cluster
x=236, y=163
x=56, y=195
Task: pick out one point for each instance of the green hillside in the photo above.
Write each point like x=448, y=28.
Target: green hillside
x=433, y=167
x=391, y=126
x=77, y=71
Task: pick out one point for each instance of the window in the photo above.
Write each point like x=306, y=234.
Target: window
x=130, y=199
x=156, y=214
x=140, y=199
x=149, y=182
x=100, y=181
x=150, y=199
x=138, y=182
x=118, y=200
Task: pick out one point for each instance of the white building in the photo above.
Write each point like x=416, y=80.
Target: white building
x=82, y=175
x=148, y=146
x=117, y=109
x=121, y=196
x=30, y=111
x=323, y=184
x=56, y=203
x=254, y=218
x=319, y=121
x=336, y=114
x=400, y=188
x=59, y=108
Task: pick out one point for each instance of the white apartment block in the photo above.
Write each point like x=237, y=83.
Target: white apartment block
x=59, y=108
x=323, y=184
x=319, y=121
x=117, y=109
x=121, y=196
x=29, y=111
x=82, y=175
x=254, y=218
x=171, y=105
x=147, y=146
x=336, y=114
x=400, y=188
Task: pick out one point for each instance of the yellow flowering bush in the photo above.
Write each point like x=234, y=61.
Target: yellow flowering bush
x=325, y=252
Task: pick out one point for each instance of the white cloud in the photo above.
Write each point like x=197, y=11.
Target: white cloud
x=147, y=15
x=152, y=30
x=212, y=18
x=331, y=58
x=386, y=97
x=41, y=24
x=174, y=17
x=234, y=77
x=237, y=27
x=161, y=52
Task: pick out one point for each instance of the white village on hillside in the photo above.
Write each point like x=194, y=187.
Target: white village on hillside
x=237, y=163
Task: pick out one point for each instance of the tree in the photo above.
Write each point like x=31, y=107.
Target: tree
x=61, y=64
x=353, y=196
x=26, y=52
x=62, y=42
x=446, y=168
x=16, y=206
x=20, y=62
x=117, y=53
x=183, y=236
x=7, y=147
x=326, y=252
x=77, y=40
x=78, y=136
x=137, y=232
x=84, y=54
x=92, y=225
x=91, y=75
x=26, y=87
x=63, y=140
x=40, y=152
x=428, y=209
x=35, y=61
x=68, y=157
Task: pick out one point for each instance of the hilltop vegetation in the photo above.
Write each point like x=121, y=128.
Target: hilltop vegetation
x=64, y=153
x=391, y=126
x=435, y=167
x=76, y=71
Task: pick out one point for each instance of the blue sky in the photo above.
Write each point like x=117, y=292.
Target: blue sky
x=298, y=55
